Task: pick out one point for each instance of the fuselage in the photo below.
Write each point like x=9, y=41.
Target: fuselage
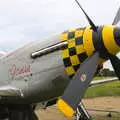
x=46, y=76
x=39, y=79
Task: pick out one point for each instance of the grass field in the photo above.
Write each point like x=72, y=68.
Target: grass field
x=107, y=89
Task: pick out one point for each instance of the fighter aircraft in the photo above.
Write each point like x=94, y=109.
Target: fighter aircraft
x=62, y=65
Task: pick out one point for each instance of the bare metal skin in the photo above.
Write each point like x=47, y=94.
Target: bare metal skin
x=38, y=79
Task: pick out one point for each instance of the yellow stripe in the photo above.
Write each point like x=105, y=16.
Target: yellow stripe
x=108, y=39
x=65, y=53
x=64, y=36
x=70, y=70
x=65, y=108
x=71, y=43
x=74, y=60
x=80, y=49
x=88, y=42
x=78, y=33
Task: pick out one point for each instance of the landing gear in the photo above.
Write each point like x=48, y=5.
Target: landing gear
x=82, y=113
x=19, y=112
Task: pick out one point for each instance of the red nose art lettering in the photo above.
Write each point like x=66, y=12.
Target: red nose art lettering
x=16, y=71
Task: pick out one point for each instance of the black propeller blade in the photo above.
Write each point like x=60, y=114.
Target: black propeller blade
x=115, y=61
x=117, y=17
x=88, y=18
x=78, y=85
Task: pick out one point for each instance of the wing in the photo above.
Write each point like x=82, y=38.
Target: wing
x=97, y=82
x=10, y=91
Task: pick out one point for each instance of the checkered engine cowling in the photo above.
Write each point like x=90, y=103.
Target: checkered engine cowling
x=74, y=54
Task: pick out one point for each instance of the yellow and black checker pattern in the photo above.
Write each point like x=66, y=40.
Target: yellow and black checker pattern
x=74, y=54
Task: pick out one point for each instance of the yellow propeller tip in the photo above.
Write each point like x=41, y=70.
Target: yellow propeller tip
x=65, y=108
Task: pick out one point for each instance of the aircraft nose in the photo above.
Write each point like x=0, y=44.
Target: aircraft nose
x=111, y=39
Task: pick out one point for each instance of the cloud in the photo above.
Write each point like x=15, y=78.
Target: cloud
x=22, y=21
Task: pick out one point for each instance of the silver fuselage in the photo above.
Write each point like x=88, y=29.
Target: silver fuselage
x=40, y=79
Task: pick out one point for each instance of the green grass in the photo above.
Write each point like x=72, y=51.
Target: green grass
x=107, y=89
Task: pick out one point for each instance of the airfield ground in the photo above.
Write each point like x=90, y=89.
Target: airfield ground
x=102, y=103
x=102, y=97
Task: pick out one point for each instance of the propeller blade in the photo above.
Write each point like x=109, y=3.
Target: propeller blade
x=115, y=61
x=88, y=18
x=117, y=17
x=73, y=94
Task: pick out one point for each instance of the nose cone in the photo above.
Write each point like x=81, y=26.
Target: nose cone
x=111, y=39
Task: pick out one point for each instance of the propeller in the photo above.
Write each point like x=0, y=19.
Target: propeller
x=114, y=59
x=117, y=18
x=73, y=94
x=88, y=18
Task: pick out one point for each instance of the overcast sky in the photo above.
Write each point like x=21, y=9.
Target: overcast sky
x=22, y=21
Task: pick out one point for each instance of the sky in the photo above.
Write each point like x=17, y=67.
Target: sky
x=23, y=21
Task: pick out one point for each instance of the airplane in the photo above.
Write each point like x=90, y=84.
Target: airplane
x=60, y=67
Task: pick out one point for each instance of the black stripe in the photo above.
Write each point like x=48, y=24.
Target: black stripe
x=67, y=62
x=71, y=35
x=82, y=57
x=72, y=51
x=98, y=43
x=117, y=35
x=76, y=67
x=79, y=40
